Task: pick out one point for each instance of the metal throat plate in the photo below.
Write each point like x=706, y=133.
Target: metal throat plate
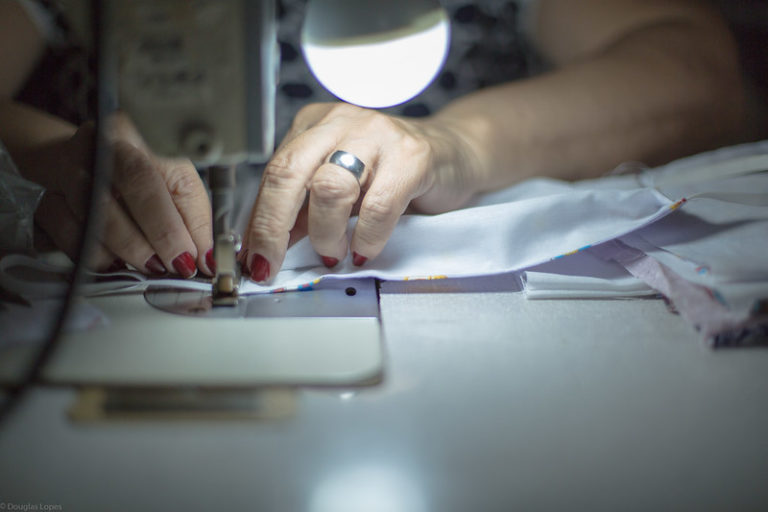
x=333, y=298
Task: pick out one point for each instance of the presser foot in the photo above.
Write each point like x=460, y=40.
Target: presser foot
x=224, y=292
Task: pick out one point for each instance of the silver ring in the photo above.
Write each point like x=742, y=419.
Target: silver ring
x=349, y=162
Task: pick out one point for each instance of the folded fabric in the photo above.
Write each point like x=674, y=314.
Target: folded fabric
x=719, y=242
x=582, y=276
x=541, y=285
x=717, y=323
x=33, y=278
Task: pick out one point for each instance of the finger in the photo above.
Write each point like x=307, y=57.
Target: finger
x=125, y=240
x=281, y=195
x=76, y=187
x=75, y=166
x=113, y=264
x=101, y=259
x=145, y=194
x=60, y=224
x=299, y=231
x=191, y=199
x=396, y=182
x=121, y=235
x=121, y=127
x=334, y=190
x=56, y=219
x=307, y=117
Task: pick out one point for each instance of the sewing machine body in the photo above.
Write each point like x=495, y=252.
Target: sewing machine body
x=199, y=80
x=332, y=339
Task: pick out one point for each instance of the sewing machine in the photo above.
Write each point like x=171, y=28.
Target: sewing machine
x=198, y=80
x=493, y=402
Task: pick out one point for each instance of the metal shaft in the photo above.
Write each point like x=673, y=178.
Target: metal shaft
x=221, y=180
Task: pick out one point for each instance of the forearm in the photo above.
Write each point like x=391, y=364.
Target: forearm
x=32, y=136
x=21, y=45
x=652, y=96
x=23, y=128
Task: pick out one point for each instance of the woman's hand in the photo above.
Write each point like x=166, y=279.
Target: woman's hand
x=407, y=162
x=157, y=217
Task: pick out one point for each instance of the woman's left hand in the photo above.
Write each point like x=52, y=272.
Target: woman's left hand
x=156, y=217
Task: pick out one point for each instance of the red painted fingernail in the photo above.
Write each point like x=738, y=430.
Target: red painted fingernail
x=259, y=268
x=330, y=262
x=184, y=264
x=116, y=266
x=155, y=266
x=210, y=262
x=358, y=260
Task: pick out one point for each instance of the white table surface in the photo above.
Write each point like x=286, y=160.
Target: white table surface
x=489, y=403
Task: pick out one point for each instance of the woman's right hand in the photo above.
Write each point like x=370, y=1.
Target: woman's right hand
x=422, y=164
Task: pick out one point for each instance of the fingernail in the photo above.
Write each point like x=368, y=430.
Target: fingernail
x=185, y=265
x=155, y=266
x=329, y=262
x=358, y=260
x=116, y=266
x=210, y=262
x=259, y=268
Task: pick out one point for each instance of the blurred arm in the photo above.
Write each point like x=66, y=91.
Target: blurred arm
x=647, y=80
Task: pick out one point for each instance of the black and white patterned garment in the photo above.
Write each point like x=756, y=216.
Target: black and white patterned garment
x=63, y=82
x=488, y=46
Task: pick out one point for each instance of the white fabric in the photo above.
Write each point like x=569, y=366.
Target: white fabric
x=488, y=239
x=716, y=242
x=582, y=276
x=540, y=285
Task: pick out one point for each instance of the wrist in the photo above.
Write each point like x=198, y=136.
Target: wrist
x=456, y=165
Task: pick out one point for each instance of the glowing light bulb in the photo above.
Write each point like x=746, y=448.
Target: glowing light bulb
x=382, y=69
